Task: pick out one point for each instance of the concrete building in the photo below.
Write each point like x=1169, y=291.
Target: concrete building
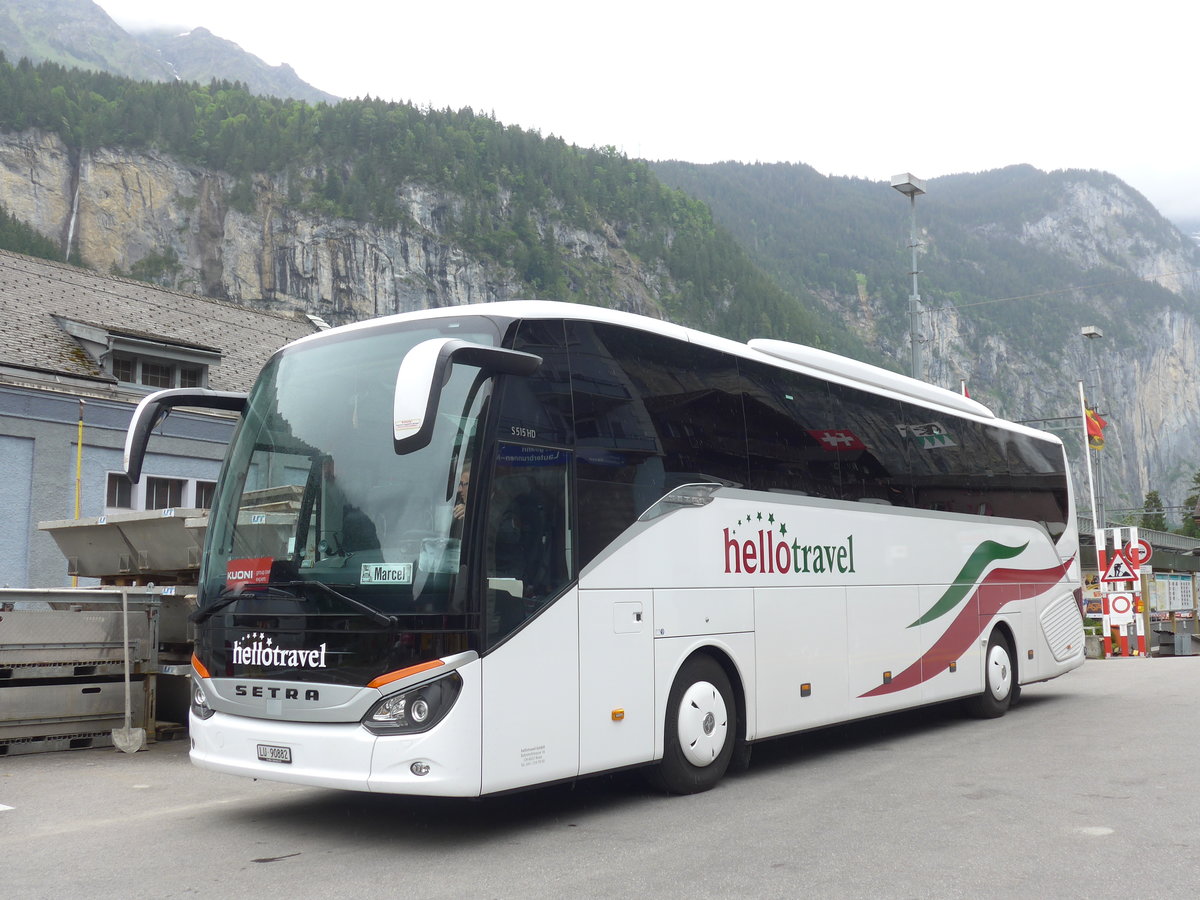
x=76, y=346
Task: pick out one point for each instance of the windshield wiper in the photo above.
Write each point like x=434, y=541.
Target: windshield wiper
x=203, y=615
x=375, y=615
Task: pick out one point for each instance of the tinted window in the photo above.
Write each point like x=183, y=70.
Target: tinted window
x=651, y=413
x=538, y=407
x=957, y=463
x=1038, y=488
x=872, y=451
x=786, y=416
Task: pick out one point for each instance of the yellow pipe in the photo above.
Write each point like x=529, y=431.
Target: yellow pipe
x=78, y=475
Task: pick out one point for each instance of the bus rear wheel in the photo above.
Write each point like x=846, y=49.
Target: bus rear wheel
x=700, y=729
x=999, y=681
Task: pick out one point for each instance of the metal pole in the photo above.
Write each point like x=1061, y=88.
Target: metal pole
x=1087, y=455
x=1091, y=333
x=914, y=299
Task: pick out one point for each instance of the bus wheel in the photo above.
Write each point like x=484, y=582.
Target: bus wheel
x=999, y=681
x=700, y=729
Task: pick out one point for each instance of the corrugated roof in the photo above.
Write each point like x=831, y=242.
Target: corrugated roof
x=33, y=291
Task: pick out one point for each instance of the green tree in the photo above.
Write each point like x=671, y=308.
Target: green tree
x=1153, y=516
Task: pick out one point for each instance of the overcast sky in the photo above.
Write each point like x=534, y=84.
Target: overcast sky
x=868, y=89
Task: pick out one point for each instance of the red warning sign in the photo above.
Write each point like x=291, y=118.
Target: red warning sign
x=1119, y=570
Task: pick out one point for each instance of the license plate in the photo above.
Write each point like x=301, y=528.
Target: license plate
x=271, y=753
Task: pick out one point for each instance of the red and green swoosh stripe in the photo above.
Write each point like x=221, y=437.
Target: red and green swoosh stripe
x=985, y=554
x=1000, y=587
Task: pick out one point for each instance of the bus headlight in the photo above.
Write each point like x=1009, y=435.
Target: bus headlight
x=200, y=707
x=415, y=710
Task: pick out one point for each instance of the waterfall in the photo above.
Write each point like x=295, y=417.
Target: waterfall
x=74, y=216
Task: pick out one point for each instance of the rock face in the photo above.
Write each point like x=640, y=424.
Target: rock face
x=123, y=210
x=1147, y=391
x=151, y=215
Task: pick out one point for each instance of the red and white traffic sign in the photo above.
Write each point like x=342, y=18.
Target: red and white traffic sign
x=1120, y=604
x=1137, y=555
x=1119, y=570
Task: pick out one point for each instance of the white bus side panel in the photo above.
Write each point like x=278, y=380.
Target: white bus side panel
x=951, y=672
x=531, y=701
x=882, y=646
x=800, y=638
x=713, y=610
x=616, y=679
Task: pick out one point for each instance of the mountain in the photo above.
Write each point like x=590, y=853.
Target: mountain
x=79, y=33
x=75, y=33
x=199, y=55
x=365, y=208
x=1013, y=263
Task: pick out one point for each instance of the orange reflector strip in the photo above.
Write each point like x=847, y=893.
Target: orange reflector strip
x=618, y=715
x=199, y=667
x=404, y=673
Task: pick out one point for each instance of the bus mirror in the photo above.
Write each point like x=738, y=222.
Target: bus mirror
x=154, y=408
x=425, y=369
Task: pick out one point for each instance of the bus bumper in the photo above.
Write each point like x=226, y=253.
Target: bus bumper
x=443, y=762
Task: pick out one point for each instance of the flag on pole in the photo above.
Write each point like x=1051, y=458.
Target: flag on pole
x=1095, y=429
x=963, y=384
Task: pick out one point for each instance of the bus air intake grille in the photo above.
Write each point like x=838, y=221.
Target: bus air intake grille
x=1063, y=628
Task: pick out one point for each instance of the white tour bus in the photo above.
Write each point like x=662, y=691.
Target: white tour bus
x=469, y=550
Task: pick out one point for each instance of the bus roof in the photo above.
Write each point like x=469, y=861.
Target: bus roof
x=798, y=357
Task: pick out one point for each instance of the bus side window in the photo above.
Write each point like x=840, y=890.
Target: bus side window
x=528, y=552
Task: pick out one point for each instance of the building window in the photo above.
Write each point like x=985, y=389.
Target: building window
x=164, y=493
x=157, y=492
x=156, y=373
x=205, y=491
x=120, y=492
x=124, y=368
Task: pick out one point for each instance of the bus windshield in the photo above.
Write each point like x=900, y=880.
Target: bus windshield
x=315, y=502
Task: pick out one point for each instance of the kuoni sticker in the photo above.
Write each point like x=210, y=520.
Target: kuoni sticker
x=240, y=572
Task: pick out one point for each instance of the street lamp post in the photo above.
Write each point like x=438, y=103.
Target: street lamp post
x=911, y=186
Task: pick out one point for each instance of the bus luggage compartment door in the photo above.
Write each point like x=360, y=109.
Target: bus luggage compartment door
x=616, y=679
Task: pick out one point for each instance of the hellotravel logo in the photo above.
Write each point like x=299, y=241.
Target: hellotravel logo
x=260, y=650
x=761, y=546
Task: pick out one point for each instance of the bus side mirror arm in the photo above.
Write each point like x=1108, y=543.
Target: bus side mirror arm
x=426, y=367
x=154, y=408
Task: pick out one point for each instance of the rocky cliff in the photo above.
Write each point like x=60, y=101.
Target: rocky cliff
x=150, y=215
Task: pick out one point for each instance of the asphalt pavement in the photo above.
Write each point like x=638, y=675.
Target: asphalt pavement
x=1087, y=790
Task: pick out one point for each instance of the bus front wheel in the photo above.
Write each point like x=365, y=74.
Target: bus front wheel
x=999, y=680
x=700, y=729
